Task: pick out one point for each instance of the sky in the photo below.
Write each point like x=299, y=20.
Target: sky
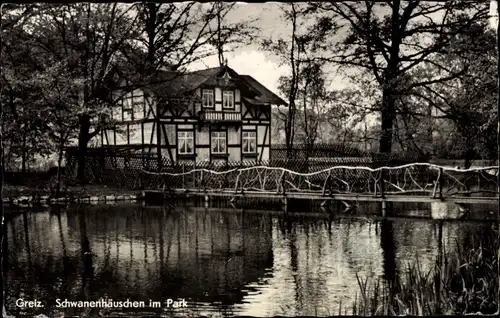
x=494, y=14
x=263, y=66
x=252, y=60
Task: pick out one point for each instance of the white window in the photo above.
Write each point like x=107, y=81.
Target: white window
x=249, y=142
x=207, y=98
x=186, y=142
x=219, y=142
x=228, y=99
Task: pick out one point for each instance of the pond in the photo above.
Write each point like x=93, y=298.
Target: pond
x=210, y=261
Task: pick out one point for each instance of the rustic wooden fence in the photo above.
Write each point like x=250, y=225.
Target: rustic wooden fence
x=142, y=172
x=410, y=179
x=375, y=176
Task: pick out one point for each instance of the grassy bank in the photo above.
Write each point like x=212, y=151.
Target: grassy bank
x=463, y=282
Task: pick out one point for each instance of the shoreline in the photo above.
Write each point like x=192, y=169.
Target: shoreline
x=24, y=196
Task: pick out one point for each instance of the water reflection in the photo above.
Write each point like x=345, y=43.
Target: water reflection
x=222, y=261
x=388, y=250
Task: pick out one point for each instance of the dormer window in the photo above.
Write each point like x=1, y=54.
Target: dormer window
x=228, y=99
x=207, y=98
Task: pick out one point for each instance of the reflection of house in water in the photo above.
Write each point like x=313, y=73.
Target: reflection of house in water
x=195, y=255
x=219, y=257
x=146, y=253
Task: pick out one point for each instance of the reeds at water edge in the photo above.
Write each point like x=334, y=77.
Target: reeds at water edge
x=463, y=282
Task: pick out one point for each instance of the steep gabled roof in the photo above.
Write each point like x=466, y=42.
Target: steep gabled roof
x=264, y=95
x=200, y=77
x=173, y=84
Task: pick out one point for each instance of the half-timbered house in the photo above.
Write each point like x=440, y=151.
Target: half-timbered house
x=209, y=115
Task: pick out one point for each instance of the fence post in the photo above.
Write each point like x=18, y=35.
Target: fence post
x=202, y=185
x=284, y=183
x=382, y=183
x=193, y=174
x=440, y=183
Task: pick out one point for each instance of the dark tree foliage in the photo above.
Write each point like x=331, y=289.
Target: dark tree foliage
x=468, y=101
x=64, y=59
x=23, y=125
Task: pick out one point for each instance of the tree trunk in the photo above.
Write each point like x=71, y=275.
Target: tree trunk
x=366, y=135
x=289, y=130
x=3, y=228
x=83, y=139
x=390, y=83
x=469, y=150
x=158, y=138
x=430, y=147
x=59, y=162
x=498, y=117
x=388, y=114
x=4, y=162
x=6, y=156
x=498, y=124
x=307, y=128
x=220, y=45
x=24, y=153
x=151, y=34
x=151, y=31
x=293, y=86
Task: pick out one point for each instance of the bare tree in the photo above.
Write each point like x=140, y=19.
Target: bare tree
x=230, y=36
x=316, y=101
x=291, y=52
x=388, y=40
x=175, y=35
